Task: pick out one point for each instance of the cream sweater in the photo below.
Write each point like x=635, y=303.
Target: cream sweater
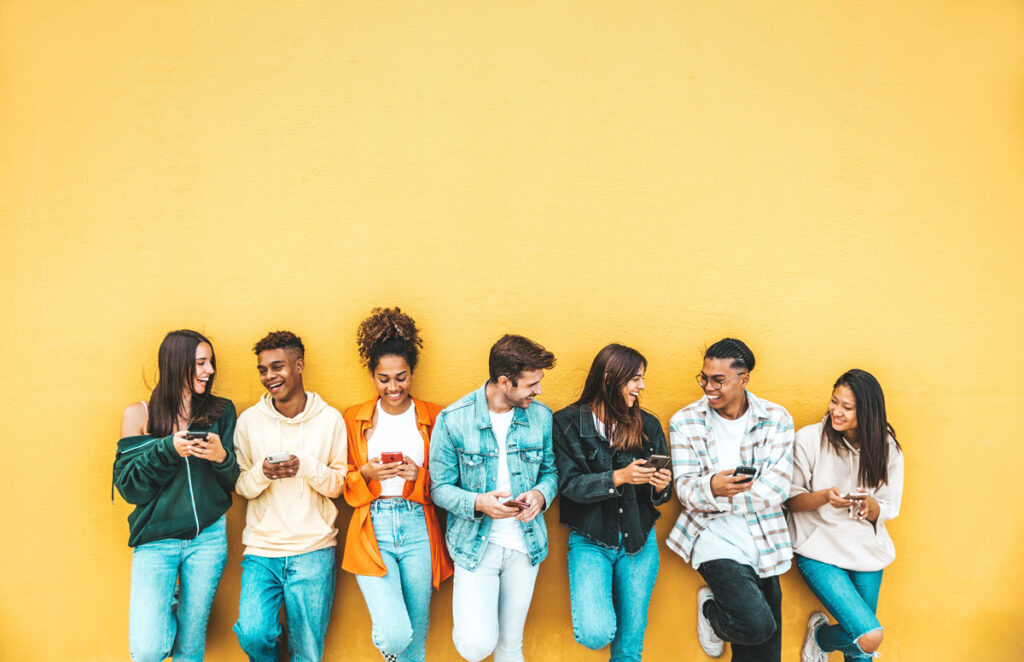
x=290, y=516
x=829, y=534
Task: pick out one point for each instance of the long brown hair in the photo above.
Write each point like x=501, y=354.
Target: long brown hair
x=176, y=363
x=612, y=368
x=873, y=429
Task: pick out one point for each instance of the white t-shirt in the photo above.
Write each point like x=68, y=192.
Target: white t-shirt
x=726, y=537
x=396, y=433
x=505, y=532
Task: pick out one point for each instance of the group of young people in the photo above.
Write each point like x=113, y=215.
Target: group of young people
x=752, y=496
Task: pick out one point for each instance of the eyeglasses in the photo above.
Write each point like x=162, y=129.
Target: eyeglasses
x=717, y=382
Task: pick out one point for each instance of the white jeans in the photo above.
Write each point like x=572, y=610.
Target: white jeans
x=490, y=603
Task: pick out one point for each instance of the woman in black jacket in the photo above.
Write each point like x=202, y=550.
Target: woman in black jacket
x=609, y=484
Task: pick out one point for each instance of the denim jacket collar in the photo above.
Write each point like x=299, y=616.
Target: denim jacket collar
x=483, y=414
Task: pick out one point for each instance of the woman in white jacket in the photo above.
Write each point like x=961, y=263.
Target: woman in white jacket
x=847, y=481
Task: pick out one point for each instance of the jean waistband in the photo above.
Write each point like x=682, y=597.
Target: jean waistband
x=394, y=503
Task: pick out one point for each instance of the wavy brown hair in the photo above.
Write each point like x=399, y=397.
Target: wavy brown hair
x=612, y=369
x=388, y=332
x=873, y=429
x=176, y=365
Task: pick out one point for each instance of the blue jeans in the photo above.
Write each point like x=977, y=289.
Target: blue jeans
x=399, y=602
x=305, y=582
x=163, y=622
x=610, y=591
x=851, y=597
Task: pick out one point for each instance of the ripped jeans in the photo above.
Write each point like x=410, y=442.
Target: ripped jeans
x=851, y=597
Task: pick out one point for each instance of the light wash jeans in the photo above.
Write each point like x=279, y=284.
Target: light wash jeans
x=610, y=591
x=399, y=602
x=305, y=582
x=164, y=622
x=490, y=603
x=851, y=597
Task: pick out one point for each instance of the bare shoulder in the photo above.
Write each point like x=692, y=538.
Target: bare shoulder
x=134, y=420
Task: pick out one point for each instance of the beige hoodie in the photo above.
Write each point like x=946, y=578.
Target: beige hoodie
x=290, y=516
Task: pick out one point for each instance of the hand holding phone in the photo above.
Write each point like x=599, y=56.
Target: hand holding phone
x=658, y=462
x=743, y=470
x=388, y=458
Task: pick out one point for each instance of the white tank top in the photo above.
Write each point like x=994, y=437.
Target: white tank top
x=396, y=434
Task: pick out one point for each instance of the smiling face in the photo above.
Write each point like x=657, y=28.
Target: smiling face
x=393, y=378
x=631, y=389
x=524, y=391
x=842, y=410
x=724, y=385
x=281, y=373
x=203, y=368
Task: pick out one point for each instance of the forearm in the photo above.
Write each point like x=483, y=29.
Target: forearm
x=807, y=501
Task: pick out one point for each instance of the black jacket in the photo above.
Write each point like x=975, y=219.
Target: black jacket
x=591, y=504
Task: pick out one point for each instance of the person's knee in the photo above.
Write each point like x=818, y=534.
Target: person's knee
x=474, y=647
x=594, y=634
x=870, y=642
x=253, y=638
x=149, y=653
x=392, y=638
x=755, y=630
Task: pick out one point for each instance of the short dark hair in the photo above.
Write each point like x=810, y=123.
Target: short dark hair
x=280, y=340
x=512, y=354
x=731, y=348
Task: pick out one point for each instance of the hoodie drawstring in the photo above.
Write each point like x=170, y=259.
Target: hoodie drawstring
x=302, y=483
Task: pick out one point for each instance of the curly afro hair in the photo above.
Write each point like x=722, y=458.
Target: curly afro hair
x=388, y=332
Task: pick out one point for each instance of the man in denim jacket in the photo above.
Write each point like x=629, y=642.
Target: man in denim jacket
x=492, y=467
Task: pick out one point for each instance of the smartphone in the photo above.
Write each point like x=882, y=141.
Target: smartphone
x=512, y=503
x=658, y=461
x=280, y=456
x=190, y=435
x=388, y=458
x=856, y=496
x=745, y=471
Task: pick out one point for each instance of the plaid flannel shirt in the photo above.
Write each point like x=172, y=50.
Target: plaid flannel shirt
x=767, y=446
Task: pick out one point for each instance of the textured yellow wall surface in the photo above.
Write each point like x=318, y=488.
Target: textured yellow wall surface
x=837, y=183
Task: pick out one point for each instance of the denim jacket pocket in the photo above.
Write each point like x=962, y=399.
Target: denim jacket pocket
x=473, y=470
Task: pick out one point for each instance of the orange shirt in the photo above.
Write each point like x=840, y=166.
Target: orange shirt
x=362, y=555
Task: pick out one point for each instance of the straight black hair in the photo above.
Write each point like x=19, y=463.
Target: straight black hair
x=176, y=363
x=612, y=368
x=873, y=429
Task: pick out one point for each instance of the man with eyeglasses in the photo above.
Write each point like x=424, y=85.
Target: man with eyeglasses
x=732, y=462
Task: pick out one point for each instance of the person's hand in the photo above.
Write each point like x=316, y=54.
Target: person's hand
x=408, y=470
x=492, y=505
x=634, y=473
x=867, y=508
x=374, y=469
x=835, y=498
x=728, y=483
x=535, y=501
x=182, y=445
x=661, y=479
x=211, y=449
x=286, y=469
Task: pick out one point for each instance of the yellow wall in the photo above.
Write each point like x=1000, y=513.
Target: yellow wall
x=838, y=183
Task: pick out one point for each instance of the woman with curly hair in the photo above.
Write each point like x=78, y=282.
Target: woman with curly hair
x=176, y=464
x=394, y=544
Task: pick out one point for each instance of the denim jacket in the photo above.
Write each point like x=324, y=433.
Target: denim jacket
x=591, y=503
x=464, y=463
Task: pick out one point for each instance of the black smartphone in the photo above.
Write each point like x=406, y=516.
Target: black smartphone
x=189, y=434
x=658, y=461
x=745, y=471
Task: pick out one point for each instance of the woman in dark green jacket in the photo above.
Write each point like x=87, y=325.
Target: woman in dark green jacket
x=176, y=463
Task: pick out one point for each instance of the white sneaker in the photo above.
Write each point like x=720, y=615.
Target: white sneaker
x=709, y=641
x=811, y=651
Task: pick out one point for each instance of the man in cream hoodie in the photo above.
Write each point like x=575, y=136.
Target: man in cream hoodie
x=291, y=449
